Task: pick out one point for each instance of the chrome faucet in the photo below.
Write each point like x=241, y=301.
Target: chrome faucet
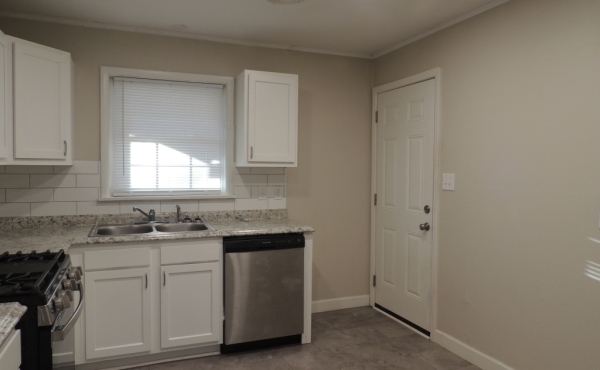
x=151, y=215
x=178, y=212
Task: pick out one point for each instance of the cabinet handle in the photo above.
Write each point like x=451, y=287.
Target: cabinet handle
x=164, y=278
x=65, y=147
x=146, y=281
x=251, y=152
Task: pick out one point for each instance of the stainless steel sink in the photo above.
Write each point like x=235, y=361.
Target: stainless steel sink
x=147, y=229
x=180, y=228
x=107, y=230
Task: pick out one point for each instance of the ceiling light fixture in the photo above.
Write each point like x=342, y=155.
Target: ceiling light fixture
x=285, y=2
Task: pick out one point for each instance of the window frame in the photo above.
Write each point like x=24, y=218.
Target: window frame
x=106, y=73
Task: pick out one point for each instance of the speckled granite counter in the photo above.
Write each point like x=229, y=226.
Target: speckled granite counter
x=63, y=237
x=10, y=314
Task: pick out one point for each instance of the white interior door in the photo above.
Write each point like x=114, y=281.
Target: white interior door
x=405, y=161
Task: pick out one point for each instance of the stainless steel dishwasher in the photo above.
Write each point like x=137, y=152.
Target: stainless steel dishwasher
x=264, y=291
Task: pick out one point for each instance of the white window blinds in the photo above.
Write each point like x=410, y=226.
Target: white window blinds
x=168, y=138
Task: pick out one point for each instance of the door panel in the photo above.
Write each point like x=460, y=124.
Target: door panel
x=405, y=145
x=117, y=312
x=190, y=302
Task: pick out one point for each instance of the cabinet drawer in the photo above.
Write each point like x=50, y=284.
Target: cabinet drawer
x=191, y=252
x=116, y=258
x=10, y=352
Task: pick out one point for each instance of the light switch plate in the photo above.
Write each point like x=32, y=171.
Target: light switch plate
x=448, y=181
x=262, y=192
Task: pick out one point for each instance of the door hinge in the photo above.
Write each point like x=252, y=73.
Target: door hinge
x=374, y=280
x=375, y=200
x=376, y=116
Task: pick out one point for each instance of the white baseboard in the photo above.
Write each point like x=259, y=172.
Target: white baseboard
x=467, y=352
x=340, y=303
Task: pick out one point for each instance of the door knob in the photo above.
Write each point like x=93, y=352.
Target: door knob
x=426, y=209
x=424, y=227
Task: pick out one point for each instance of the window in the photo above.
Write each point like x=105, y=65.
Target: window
x=165, y=134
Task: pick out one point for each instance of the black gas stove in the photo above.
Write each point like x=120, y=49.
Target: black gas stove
x=46, y=284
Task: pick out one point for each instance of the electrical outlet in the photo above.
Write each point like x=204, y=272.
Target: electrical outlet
x=448, y=181
x=262, y=192
x=279, y=192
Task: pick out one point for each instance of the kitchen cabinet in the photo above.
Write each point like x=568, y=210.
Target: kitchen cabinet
x=144, y=299
x=190, y=311
x=266, y=119
x=117, y=312
x=10, y=352
x=36, y=96
x=5, y=93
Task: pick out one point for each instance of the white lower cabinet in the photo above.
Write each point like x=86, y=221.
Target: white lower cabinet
x=147, y=298
x=117, y=312
x=188, y=313
x=10, y=352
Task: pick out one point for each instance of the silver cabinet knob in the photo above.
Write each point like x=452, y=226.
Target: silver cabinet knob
x=424, y=227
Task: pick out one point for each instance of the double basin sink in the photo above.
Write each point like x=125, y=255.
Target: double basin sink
x=149, y=228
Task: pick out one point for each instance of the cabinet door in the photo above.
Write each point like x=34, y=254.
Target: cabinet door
x=42, y=101
x=117, y=312
x=5, y=93
x=272, y=117
x=191, y=302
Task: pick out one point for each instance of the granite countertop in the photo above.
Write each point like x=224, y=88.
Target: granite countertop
x=54, y=238
x=10, y=314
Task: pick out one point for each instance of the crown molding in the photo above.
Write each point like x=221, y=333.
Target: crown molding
x=442, y=26
x=187, y=35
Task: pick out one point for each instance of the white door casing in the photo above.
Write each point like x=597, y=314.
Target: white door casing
x=190, y=304
x=404, y=185
x=5, y=93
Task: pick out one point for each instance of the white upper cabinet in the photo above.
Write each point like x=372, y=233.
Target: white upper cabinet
x=266, y=119
x=5, y=94
x=42, y=104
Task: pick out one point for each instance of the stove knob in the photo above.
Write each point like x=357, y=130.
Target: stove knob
x=66, y=301
x=59, y=304
x=75, y=273
x=70, y=285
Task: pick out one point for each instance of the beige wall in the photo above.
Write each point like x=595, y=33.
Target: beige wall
x=520, y=120
x=330, y=187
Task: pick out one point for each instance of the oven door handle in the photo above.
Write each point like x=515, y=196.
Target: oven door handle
x=59, y=332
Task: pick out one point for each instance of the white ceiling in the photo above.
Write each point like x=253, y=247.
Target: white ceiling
x=361, y=28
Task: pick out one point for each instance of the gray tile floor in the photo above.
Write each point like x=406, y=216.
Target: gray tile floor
x=356, y=338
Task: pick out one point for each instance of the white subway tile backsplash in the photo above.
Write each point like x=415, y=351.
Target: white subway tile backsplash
x=266, y=170
x=276, y=179
x=15, y=209
x=205, y=205
x=75, y=194
x=144, y=205
x=29, y=195
x=14, y=181
x=243, y=192
x=251, y=204
x=66, y=190
x=243, y=170
x=185, y=205
x=88, y=181
x=52, y=181
x=97, y=208
x=277, y=203
x=85, y=167
x=28, y=169
x=54, y=209
x=250, y=179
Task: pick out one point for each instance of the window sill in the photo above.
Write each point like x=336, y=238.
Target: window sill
x=171, y=197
